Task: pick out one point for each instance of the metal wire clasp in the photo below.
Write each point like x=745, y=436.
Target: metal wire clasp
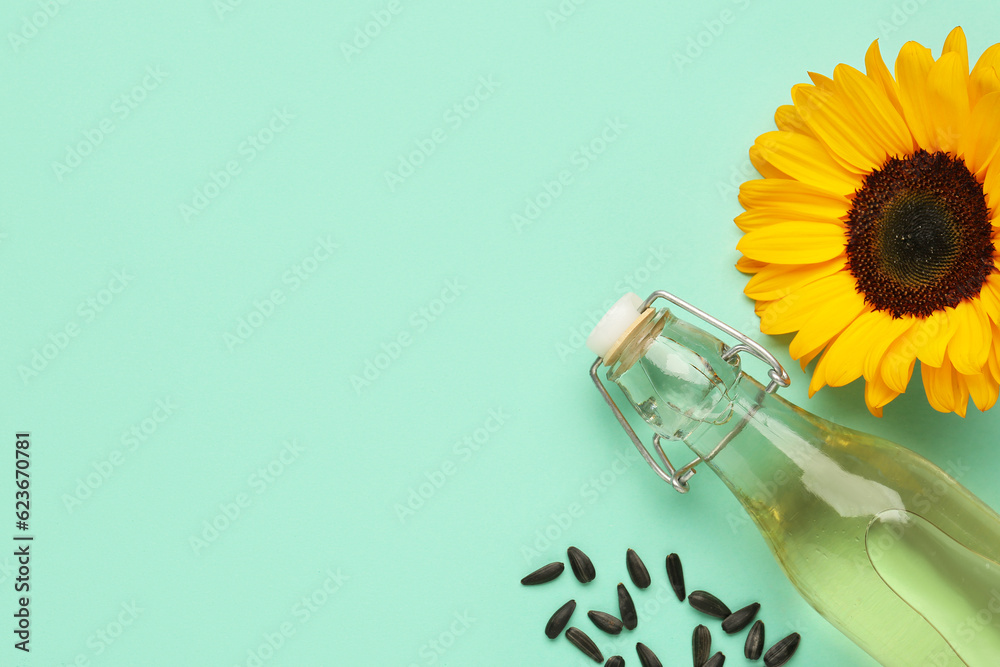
x=678, y=478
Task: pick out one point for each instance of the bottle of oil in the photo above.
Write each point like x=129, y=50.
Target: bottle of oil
x=881, y=542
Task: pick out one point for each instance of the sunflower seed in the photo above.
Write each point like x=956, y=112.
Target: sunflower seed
x=782, y=652
x=701, y=645
x=615, y=661
x=707, y=603
x=610, y=624
x=580, y=640
x=544, y=574
x=637, y=569
x=582, y=566
x=646, y=657
x=627, y=608
x=755, y=641
x=675, y=573
x=717, y=660
x=559, y=619
x=740, y=618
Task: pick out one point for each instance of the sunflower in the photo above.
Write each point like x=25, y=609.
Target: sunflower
x=873, y=232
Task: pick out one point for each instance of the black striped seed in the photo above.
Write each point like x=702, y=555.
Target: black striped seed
x=717, y=660
x=740, y=618
x=615, y=661
x=646, y=657
x=675, y=573
x=610, y=624
x=755, y=641
x=637, y=569
x=627, y=608
x=701, y=645
x=582, y=566
x=559, y=619
x=580, y=640
x=782, y=652
x=544, y=574
x=707, y=603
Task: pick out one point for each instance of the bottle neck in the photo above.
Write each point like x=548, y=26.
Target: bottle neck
x=751, y=465
x=771, y=451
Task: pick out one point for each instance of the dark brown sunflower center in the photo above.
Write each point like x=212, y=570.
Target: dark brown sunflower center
x=919, y=235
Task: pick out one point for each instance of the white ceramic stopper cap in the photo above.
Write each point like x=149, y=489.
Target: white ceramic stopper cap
x=614, y=323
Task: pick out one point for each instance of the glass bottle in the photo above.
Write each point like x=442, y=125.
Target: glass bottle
x=881, y=542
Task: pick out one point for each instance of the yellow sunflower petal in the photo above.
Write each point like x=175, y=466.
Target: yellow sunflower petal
x=939, y=385
x=809, y=199
x=979, y=144
x=765, y=168
x=870, y=107
x=955, y=43
x=878, y=395
x=877, y=71
x=990, y=297
x=844, y=361
x=984, y=78
x=805, y=159
x=793, y=312
x=932, y=335
x=886, y=332
x=789, y=120
x=809, y=356
x=913, y=65
x=833, y=123
x=826, y=322
x=794, y=242
x=897, y=364
x=948, y=94
x=779, y=280
x=821, y=81
x=984, y=390
x=971, y=343
x=991, y=186
x=759, y=218
x=961, y=394
x=993, y=362
x=747, y=265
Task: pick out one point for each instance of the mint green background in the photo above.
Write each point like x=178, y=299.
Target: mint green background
x=509, y=342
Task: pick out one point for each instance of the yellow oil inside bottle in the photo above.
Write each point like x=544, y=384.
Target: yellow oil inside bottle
x=885, y=545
